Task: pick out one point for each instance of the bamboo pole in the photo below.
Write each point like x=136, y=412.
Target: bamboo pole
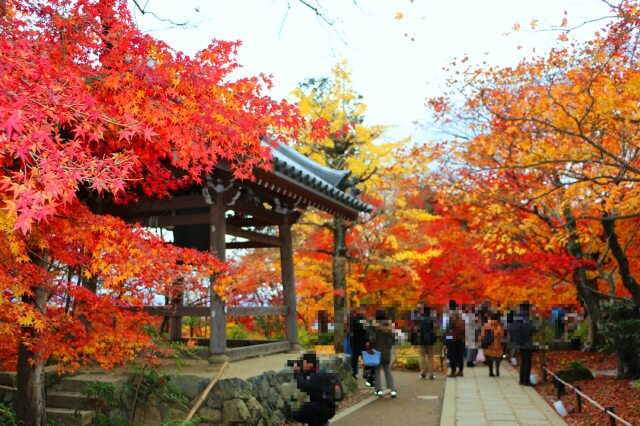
x=607, y=410
x=205, y=392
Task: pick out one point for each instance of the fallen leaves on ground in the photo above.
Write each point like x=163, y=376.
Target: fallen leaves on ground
x=622, y=395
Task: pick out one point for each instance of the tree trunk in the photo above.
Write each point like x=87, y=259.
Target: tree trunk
x=587, y=289
x=609, y=227
x=339, y=282
x=30, y=406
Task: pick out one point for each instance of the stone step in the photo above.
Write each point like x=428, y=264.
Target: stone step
x=7, y=378
x=78, y=383
x=67, y=416
x=65, y=399
x=70, y=384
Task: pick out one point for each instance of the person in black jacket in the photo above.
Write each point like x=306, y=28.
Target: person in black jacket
x=423, y=336
x=522, y=330
x=358, y=336
x=320, y=387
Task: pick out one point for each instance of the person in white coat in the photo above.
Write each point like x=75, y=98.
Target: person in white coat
x=471, y=328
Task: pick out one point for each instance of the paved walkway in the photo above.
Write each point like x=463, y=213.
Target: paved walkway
x=418, y=403
x=477, y=399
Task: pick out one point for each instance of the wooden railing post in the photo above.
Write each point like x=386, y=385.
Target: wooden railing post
x=579, y=399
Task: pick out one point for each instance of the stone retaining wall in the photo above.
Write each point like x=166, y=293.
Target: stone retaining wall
x=258, y=400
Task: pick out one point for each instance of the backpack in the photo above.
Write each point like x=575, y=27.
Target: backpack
x=523, y=332
x=425, y=332
x=487, y=340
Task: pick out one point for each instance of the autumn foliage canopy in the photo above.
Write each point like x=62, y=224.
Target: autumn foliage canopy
x=93, y=110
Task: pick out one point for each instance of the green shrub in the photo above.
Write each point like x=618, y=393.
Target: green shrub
x=576, y=364
x=623, y=337
x=581, y=332
x=7, y=416
x=147, y=381
x=574, y=374
x=306, y=339
x=100, y=395
x=412, y=363
x=325, y=338
x=236, y=331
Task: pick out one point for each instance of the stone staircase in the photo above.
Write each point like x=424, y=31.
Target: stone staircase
x=65, y=403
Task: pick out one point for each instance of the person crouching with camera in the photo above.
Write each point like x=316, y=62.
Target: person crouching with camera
x=321, y=388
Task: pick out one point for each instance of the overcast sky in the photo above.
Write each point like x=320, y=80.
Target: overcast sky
x=396, y=64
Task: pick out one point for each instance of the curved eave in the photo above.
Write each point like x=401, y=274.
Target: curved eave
x=306, y=178
x=279, y=182
x=291, y=157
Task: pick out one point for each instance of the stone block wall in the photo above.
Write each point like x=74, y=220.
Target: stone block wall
x=259, y=400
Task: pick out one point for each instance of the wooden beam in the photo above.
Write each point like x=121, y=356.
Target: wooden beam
x=255, y=311
x=272, y=240
x=150, y=205
x=261, y=217
x=195, y=219
x=247, y=207
x=165, y=221
x=243, y=221
x=204, y=311
x=247, y=245
x=178, y=311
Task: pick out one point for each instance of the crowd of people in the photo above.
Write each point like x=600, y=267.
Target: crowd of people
x=470, y=335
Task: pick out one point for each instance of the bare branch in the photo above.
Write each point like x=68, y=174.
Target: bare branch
x=144, y=11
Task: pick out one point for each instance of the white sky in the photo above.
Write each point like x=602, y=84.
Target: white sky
x=393, y=73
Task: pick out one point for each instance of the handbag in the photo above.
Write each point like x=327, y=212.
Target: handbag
x=347, y=344
x=480, y=357
x=371, y=360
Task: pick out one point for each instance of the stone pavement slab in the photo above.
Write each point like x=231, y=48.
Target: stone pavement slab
x=477, y=399
x=419, y=403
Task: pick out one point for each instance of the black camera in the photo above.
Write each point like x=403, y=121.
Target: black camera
x=293, y=363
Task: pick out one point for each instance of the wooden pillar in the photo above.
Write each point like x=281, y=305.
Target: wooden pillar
x=175, y=323
x=218, y=231
x=289, y=283
x=323, y=321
